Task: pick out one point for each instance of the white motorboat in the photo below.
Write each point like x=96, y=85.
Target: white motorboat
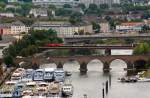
x=143, y=79
x=7, y=90
x=54, y=88
x=59, y=75
x=67, y=90
x=49, y=74
x=38, y=75
x=28, y=75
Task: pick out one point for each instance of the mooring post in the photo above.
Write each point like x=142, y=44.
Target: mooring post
x=106, y=87
x=85, y=95
x=109, y=80
x=103, y=93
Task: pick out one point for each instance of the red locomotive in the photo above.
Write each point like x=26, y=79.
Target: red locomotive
x=54, y=45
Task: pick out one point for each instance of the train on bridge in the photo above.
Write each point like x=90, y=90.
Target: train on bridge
x=77, y=45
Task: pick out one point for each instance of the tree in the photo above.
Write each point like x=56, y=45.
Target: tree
x=8, y=60
x=2, y=4
x=26, y=8
x=27, y=0
x=93, y=9
x=82, y=6
x=75, y=18
x=26, y=21
x=142, y=49
x=63, y=12
x=96, y=27
x=81, y=32
x=148, y=63
x=145, y=28
x=75, y=33
x=52, y=7
x=129, y=41
x=103, y=6
x=67, y=6
x=12, y=50
x=146, y=15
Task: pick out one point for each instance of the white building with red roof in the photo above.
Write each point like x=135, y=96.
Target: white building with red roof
x=129, y=26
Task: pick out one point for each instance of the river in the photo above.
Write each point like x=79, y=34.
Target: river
x=91, y=84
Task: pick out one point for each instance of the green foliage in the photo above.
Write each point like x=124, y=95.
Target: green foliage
x=25, y=8
x=142, y=49
x=145, y=28
x=132, y=7
x=26, y=21
x=82, y=6
x=148, y=63
x=8, y=60
x=93, y=9
x=28, y=45
x=104, y=6
x=67, y=6
x=2, y=4
x=129, y=41
x=52, y=7
x=63, y=12
x=7, y=20
x=75, y=18
x=96, y=27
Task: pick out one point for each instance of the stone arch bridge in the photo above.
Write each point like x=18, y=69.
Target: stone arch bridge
x=131, y=61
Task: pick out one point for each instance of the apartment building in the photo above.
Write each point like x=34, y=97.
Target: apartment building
x=14, y=28
x=98, y=2
x=55, y=2
x=62, y=28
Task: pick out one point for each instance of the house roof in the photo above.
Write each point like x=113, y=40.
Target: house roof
x=17, y=23
x=132, y=23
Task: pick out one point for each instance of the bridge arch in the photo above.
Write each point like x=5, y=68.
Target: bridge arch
x=95, y=65
x=120, y=62
x=71, y=65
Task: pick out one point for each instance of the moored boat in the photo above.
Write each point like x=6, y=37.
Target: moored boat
x=7, y=90
x=67, y=90
x=59, y=75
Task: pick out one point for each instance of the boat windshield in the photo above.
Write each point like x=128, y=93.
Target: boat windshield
x=30, y=86
x=48, y=73
x=28, y=76
x=15, y=78
x=59, y=73
x=39, y=73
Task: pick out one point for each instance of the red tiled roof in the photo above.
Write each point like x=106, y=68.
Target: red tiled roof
x=131, y=23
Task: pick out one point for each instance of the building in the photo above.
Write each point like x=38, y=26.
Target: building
x=98, y=2
x=18, y=27
x=14, y=28
x=55, y=2
x=129, y=26
x=7, y=15
x=5, y=29
x=11, y=1
x=62, y=28
x=38, y=12
x=105, y=27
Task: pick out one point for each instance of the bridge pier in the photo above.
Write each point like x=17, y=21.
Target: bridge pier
x=106, y=68
x=83, y=68
x=130, y=69
x=60, y=65
x=107, y=52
